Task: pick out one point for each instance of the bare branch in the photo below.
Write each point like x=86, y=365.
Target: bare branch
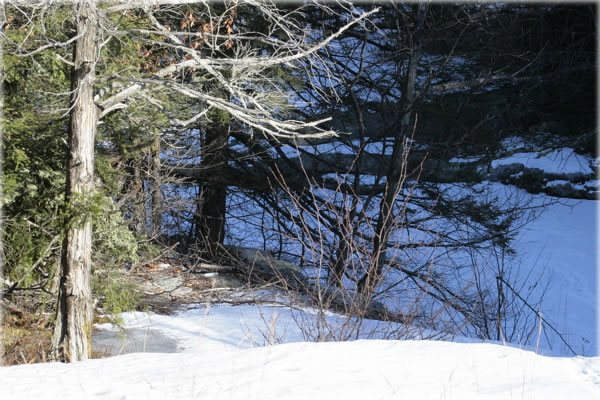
x=145, y=4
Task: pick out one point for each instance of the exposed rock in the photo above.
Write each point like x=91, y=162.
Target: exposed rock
x=534, y=180
x=504, y=172
x=165, y=287
x=264, y=266
x=254, y=257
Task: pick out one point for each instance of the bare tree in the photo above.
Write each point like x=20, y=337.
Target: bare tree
x=398, y=224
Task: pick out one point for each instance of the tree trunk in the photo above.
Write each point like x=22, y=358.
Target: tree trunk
x=2, y=19
x=132, y=195
x=210, y=224
x=156, y=193
x=138, y=218
x=72, y=333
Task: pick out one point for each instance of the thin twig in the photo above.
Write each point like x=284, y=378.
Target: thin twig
x=538, y=314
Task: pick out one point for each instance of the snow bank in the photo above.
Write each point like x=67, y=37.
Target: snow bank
x=345, y=370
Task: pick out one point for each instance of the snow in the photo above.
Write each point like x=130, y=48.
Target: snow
x=513, y=143
x=269, y=352
x=558, y=182
x=343, y=370
x=465, y=160
x=563, y=241
x=212, y=328
x=232, y=352
x=558, y=161
x=589, y=186
x=215, y=328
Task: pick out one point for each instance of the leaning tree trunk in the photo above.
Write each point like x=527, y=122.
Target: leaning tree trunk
x=72, y=333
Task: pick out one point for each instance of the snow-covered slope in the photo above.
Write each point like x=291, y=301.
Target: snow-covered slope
x=223, y=356
x=563, y=242
x=263, y=352
x=343, y=370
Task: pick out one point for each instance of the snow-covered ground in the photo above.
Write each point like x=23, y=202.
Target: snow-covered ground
x=223, y=356
x=267, y=352
x=343, y=370
x=563, y=241
x=563, y=160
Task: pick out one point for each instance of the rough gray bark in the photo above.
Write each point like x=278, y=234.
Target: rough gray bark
x=2, y=21
x=72, y=332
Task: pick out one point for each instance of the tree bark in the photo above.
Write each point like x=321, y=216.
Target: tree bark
x=2, y=21
x=212, y=196
x=138, y=218
x=72, y=332
x=156, y=181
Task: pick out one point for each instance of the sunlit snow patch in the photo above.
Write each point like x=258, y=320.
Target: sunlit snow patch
x=561, y=161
